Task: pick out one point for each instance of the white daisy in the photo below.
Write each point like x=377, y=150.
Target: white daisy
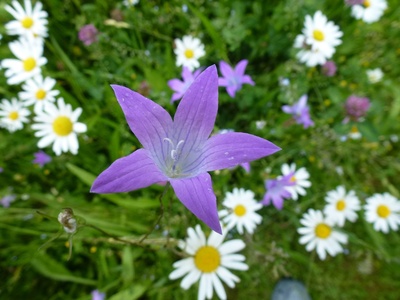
x=321, y=34
x=319, y=234
x=299, y=177
x=59, y=126
x=38, y=91
x=306, y=55
x=354, y=133
x=209, y=261
x=27, y=21
x=128, y=3
x=370, y=11
x=29, y=53
x=341, y=206
x=383, y=210
x=241, y=211
x=13, y=115
x=188, y=51
x=374, y=75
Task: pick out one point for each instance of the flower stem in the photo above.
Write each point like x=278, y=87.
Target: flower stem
x=161, y=213
x=310, y=269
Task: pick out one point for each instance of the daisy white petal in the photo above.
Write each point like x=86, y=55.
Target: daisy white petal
x=209, y=264
x=13, y=115
x=241, y=210
x=61, y=130
x=383, y=210
x=188, y=51
x=341, y=206
x=323, y=237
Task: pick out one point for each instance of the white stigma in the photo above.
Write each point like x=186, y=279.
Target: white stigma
x=175, y=152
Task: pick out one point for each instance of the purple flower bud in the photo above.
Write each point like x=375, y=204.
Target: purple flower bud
x=356, y=107
x=88, y=34
x=329, y=68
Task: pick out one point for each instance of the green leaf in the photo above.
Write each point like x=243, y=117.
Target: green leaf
x=377, y=239
x=131, y=293
x=128, y=272
x=83, y=175
x=215, y=36
x=51, y=268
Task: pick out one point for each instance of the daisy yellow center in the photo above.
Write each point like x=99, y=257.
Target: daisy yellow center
x=29, y=64
x=318, y=35
x=292, y=179
x=13, y=115
x=207, y=259
x=323, y=231
x=354, y=129
x=189, y=53
x=27, y=22
x=367, y=3
x=62, y=126
x=40, y=94
x=340, y=205
x=240, y=210
x=383, y=211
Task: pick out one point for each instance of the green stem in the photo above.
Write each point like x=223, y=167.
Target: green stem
x=161, y=214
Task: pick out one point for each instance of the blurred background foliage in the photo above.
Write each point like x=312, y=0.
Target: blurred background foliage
x=141, y=57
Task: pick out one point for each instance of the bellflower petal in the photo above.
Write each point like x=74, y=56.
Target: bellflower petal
x=197, y=195
x=230, y=149
x=195, y=116
x=187, y=74
x=241, y=67
x=247, y=79
x=226, y=70
x=146, y=119
x=128, y=173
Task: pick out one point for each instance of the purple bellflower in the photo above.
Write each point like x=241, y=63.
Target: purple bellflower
x=180, y=150
x=300, y=112
x=6, y=200
x=180, y=87
x=97, y=295
x=234, y=78
x=277, y=192
x=41, y=158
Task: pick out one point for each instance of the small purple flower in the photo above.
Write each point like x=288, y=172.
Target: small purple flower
x=1, y=170
x=180, y=87
x=277, y=192
x=41, y=158
x=300, y=112
x=354, y=2
x=329, y=68
x=233, y=78
x=180, y=150
x=356, y=108
x=6, y=200
x=97, y=295
x=88, y=34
